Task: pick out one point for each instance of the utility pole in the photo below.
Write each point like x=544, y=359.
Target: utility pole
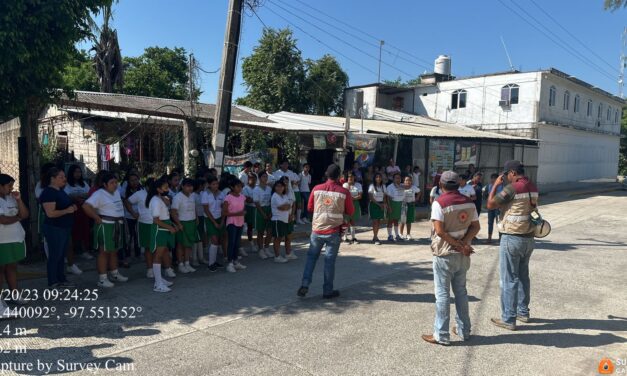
x=381, y=43
x=225, y=88
x=188, y=122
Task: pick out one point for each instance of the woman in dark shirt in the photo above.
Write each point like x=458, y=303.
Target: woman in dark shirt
x=57, y=227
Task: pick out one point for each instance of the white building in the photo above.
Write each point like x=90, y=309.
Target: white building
x=577, y=124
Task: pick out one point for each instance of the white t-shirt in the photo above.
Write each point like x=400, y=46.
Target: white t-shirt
x=396, y=194
x=243, y=177
x=185, y=206
x=13, y=233
x=467, y=190
x=410, y=194
x=279, y=200
x=415, y=179
x=159, y=209
x=292, y=176
x=378, y=194
x=355, y=189
x=200, y=211
x=262, y=196
x=107, y=204
x=214, y=203
x=248, y=192
x=127, y=214
x=138, y=200
x=76, y=190
x=271, y=179
x=305, y=182
x=437, y=214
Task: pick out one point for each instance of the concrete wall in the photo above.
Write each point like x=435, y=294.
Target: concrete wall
x=369, y=104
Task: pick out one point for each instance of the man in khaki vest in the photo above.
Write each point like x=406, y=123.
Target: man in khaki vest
x=516, y=202
x=455, y=224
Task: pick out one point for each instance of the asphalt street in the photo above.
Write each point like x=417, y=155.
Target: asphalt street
x=252, y=322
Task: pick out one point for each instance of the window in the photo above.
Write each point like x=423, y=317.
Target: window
x=609, y=113
x=458, y=99
x=566, y=100
x=589, y=111
x=509, y=93
x=576, y=104
x=599, y=110
x=552, y=94
x=398, y=103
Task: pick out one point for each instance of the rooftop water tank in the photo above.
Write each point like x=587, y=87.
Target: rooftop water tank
x=443, y=65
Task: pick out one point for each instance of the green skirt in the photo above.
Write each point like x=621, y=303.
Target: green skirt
x=411, y=212
x=357, y=213
x=107, y=236
x=261, y=223
x=212, y=230
x=189, y=235
x=376, y=213
x=249, y=217
x=160, y=237
x=395, y=213
x=279, y=229
x=143, y=230
x=12, y=252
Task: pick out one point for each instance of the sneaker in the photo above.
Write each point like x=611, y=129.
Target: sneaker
x=269, y=253
x=355, y=241
x=302, y=291
x=408, y=237
x=390, y=238
x=105, y=283
x=399, y=239
x=333, y=294
x=117, y=277
x=183, y=269
x=230, y=268
x=167, y=283
x=150, y=274
x=218, y=265
x=169, y=272
x=190, y=269
x=73, y=269
x=242, y=252
x=376, y=241
x=212, y=268
x=239, y=266
x=291, y=256
x=262, y=254
x=280, y=260
x=161, y=288
x=87, y=256
x=504, y=325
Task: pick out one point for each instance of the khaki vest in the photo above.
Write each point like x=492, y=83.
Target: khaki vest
x=328, y=210
x=458, y=213
x=515, y=216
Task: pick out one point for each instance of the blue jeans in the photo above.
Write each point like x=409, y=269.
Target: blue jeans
x=58, y=239
x=234, y=234
x=450, y=271
x=305, y=212
x=492, y=216
x=316, y=242
x=515, y=252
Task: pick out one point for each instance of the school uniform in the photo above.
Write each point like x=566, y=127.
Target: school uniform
x=251, y=209
x=262, y=196
x=200, y=214
x=159, y=236
x=214, y=204
x=397, y=196
x=376, y=213
x=108, y=234
x=410, y=203
x=280, y=218
x=12, y=245
x=185, y=207
x=354, y=190
x=144, y=220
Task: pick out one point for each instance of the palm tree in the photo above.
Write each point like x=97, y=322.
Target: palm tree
x=107, y=57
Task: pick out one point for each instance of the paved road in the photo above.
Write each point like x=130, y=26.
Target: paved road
x=252, y=322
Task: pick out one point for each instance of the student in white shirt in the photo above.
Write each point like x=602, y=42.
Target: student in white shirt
x=281, y=204
x=106, y=209
x=243, y=175
x=411, y=193
x=355, y=190
x=251, y=209
x=305, y=189
x=144, y=224
x=183, y=213
x=377, y=208
x=262, y=195
x=162, y=233
x=396, y=196
x=293, y=187
x=200, y=185
x=131, y=214
x=466, y=189
x=211, y=200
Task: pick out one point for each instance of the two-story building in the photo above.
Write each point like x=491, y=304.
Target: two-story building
x=577, y=125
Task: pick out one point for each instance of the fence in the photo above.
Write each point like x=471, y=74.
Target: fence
x=12, y=169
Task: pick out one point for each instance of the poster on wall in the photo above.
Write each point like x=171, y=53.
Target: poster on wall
x=365, y=158
x=465, y=153
x=441, y=154
x=362, y=142
x=319, y=142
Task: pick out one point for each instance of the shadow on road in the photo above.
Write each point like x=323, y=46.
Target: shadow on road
x=559, y=340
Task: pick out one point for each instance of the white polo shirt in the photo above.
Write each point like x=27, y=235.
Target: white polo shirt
x=159, y=209
x=13, y=233
x=378, y=193
x=76, y=190
x=354, y=189
x=185, y=206
x=107, y=204
x=138, y=199
x=305, y=182
x=395, y=193
x=410, y=194
x=467, y=190
x=248, y=192
x=213, y=202
x=292, y=176
x=280, y=200
x=262, y=196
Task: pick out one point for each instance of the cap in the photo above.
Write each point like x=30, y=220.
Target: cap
x=333, y=171
x=511, y=165
x=449, y=177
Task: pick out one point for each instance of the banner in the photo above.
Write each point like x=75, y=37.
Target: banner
x=465, y=153
x=365, y=158
x=235, y=164
x=362, y=142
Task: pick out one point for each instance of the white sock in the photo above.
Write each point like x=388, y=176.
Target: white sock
x=389, y=231
x=353, y=231
x=395, y=230
x=156, y=270
x=213, y=254
x=103, y=277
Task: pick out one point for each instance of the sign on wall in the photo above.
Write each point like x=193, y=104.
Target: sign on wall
x=465, y=153
x=441, y=154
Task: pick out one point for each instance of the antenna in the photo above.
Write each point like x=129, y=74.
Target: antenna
x=511, y=66
x=623, y=64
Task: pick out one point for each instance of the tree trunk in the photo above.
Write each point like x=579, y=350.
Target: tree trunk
x=29, y=128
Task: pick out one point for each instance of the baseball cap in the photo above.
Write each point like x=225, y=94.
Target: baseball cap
x=333, y=171
x=449, y=177
x=511, y=165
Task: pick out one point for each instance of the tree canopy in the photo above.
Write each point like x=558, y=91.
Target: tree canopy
x=80, y=74
x=324, y=86
x=615, y=4
x=400, y=83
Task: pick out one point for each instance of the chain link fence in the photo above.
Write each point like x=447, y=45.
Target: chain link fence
x=12, y=169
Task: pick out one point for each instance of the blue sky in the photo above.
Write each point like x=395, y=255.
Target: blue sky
x=415, y=32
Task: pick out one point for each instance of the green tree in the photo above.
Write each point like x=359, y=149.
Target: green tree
x=324, y=86
x=80, y=73
x=37, y=39
x=274, y=74
x=399, y=82
x=159, y=72
x=107, y=57
x=615, y=4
